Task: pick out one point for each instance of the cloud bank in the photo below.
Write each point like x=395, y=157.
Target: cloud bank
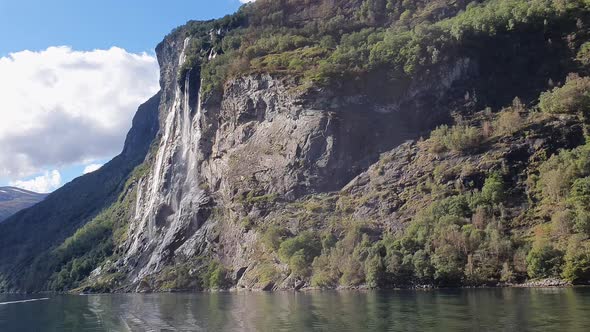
x=45, y=183
x=62, y=107
x=91, y=168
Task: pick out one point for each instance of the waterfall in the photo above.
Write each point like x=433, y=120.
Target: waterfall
x=186, y=112
x=179, y=144
x=196, y=133
x=166, y=141
x=171, y=199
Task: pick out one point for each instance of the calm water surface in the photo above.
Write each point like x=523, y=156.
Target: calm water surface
x=439, y=310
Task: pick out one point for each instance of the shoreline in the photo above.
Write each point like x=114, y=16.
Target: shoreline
x=542, y=283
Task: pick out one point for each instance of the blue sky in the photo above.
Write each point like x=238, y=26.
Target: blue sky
x=61, y=119
x=135, y=25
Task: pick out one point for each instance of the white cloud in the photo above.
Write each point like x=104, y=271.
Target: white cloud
x=45, y=183
x=62, y=107
x=246, y=1
x=91, y=168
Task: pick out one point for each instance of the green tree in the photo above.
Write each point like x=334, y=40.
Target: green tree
x=374, y=271
x=448, y=264
x=494, y=189
x=300, y=251
x=216, y=276
x=576, y=267
x=580, y=193
x=544, y=261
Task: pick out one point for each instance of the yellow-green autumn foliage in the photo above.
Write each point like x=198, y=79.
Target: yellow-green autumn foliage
x=572, y=98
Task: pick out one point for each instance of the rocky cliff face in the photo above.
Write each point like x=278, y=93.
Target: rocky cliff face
x=261, y=140
x=232, y=164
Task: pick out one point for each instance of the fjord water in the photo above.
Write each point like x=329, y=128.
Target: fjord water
x=564, y=309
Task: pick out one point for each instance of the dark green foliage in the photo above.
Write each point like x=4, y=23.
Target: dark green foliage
x=448, y=263
x=81, y=254
x=344, y=261
x=299, y=252
x=456, y=206
x=395, y=40
x=213, y=73
x=216, y=276
x=374, y=271
x=493, y=190
x=580, y=193
x=576, y=268
x=328, y=241
x=443, y=245
x=582, y=221
x=207, y=38
x=544, y=261
x=178, y=277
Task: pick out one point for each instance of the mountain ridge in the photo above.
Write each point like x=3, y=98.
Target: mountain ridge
x=14, y=199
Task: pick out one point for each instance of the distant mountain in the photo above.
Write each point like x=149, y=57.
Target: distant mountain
x=14, y=199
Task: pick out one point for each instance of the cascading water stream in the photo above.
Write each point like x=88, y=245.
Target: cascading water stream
x=168, y=137
x=195, y=132
x=190, y=136
x=186, y=113
x=171, y=201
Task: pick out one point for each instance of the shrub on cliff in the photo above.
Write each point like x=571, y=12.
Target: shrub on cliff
x=558, y=173
x=494, y=189
x=273, y=236
x=509, y=120
x=458, y=138
x=572, y=98
x=215, y=276
x=345, y=261
x=300, y=251
x=584, y=54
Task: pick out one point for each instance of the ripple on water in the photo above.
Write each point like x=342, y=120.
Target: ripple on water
x=436, y=310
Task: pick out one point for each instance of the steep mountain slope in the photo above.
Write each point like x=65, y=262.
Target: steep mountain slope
x=29, y=234
x=345, y=143
x=13, y=200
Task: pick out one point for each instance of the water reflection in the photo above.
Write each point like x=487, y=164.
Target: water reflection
x=441, y=310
